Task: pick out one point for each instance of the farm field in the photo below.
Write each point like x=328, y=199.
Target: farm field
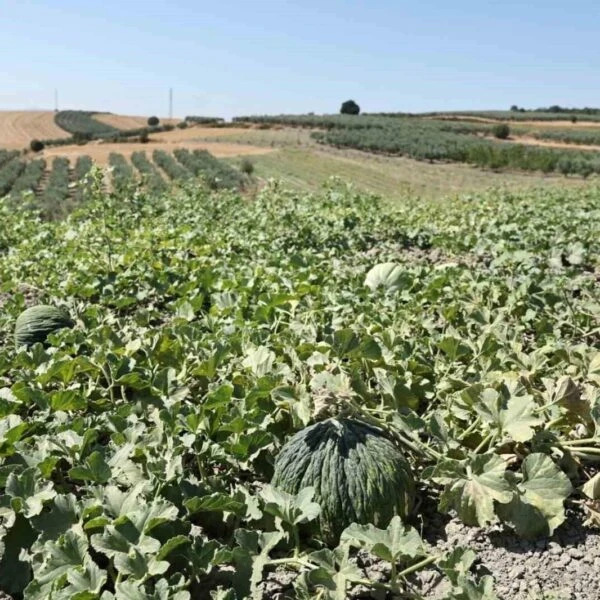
x=18, y=128
x=142, y=440
x=127, y=121
x=394, y=178
x=101, y=151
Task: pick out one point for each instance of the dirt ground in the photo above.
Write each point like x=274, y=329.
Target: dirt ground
x=100, y=152
x=127, y=121
x=197, y=132
x=18, y=128
x=580, y=124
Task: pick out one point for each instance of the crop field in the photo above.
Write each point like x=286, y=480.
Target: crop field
x=469, y=142
x=124, y=122
x=56, y=183
x=18, y=128
x=302, y=395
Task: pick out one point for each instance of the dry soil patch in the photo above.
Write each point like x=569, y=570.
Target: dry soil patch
x=196, y=133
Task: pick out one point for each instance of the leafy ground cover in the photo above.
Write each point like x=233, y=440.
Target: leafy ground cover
x=137, y=448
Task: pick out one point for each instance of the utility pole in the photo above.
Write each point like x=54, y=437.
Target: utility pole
x=55, y=100
x=170, y=103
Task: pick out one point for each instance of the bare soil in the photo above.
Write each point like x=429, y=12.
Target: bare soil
x=531, y=141
x=197, y=133
x=18, y=128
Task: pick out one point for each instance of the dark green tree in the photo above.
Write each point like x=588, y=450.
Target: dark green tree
x=350, y=108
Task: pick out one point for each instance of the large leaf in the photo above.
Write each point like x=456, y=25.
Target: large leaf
x=390, y=544
x=538, y=507
x=472, y=487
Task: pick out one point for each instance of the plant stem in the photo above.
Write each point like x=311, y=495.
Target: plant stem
x=417, y=566
x=484, y=442
x=470, y=429
x=586, y=450
x=581, y=441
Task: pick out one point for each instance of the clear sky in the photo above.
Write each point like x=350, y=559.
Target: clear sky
x=233, y=57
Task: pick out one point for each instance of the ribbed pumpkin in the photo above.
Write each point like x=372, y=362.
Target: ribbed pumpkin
x=36, y=323
x=358, y=474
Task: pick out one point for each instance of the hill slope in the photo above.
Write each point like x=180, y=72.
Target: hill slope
x=19, y=127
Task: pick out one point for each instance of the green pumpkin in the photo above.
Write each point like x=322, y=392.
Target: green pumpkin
x=35, y=324
x=358, y=474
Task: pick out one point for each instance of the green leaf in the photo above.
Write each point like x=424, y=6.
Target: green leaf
x=63, y=514
x=515, y=417
x=289, y=508
x=260, y=361
x=538, y=506
x=390, y=544
x=216, y=502
x=96, y=469
x=28, y=493
x=471, y=487
x=14, y=572
x=67, y=400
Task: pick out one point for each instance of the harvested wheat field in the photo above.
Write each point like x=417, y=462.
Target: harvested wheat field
x=100, y=152
x=19, y=127
x=125, y=122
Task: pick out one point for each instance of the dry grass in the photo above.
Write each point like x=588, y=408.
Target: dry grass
x=394, y=178
x=128, y=122
x=18, y=128
x=197, y=133
x=531, y=141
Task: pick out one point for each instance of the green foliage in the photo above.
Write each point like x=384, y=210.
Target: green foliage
x=57, y=191
x=136, y=448
x=122, y=173
x=151, y=177
x=432, y=139
x=203, y=120
x=153, y=121
x=36, y=145
x=174, y=169
x=501, y=131
x=10, y=170
x=83, y=166
x=247, y=166
x=349, y=108
x=217, y=174
x=82, y=125
x=29, y=178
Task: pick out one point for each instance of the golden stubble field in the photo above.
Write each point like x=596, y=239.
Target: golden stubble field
x=18, y=128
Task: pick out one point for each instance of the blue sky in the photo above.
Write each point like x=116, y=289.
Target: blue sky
x=233, y=57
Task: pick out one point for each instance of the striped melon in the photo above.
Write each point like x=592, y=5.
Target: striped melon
x=36, y=323
x=358, y=474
